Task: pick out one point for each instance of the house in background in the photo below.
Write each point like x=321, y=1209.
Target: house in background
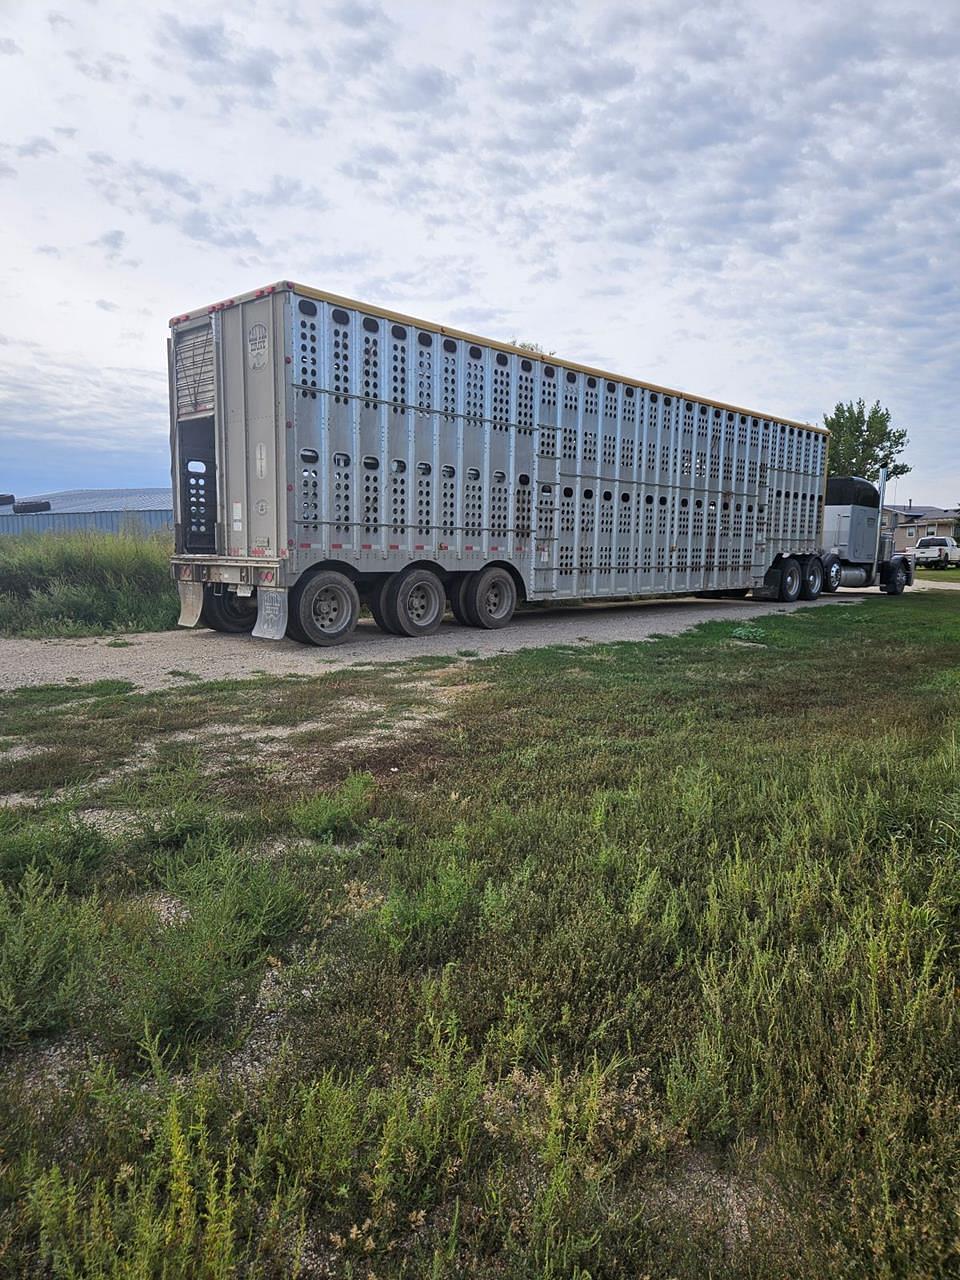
x=108, y=510
x=911, y=523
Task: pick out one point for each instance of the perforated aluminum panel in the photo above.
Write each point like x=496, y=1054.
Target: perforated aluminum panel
x=436, y=447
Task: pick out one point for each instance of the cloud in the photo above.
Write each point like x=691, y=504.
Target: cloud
x=9, y=47
x=104, y=305
x=36, y=147
x=283, y=192
x=112, y=242
x=212, y=54
x=359, y=15
x=107, y=68
x=200, y=224
x=49, y=250
x=416, y=89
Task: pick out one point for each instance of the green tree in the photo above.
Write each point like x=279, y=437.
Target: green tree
x=862, y=442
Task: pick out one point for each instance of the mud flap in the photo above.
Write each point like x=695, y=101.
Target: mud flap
x=271, y=614
x=191, y=602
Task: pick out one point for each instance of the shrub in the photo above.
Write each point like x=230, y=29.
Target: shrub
x=336, y=813
x=47, y=943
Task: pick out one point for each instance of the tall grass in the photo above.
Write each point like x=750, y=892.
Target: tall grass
x=75, y=584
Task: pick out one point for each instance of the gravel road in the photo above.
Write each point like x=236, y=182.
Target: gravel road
x=158, y=660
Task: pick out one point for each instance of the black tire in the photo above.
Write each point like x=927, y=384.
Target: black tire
x=791, y=580
x=325, y=607
x=812, y=583
x=379, y=606
x=417, y=600
x=455, y=591
x=490, y=598
x=832, y=572
x=294, y=630
x=896, y=579
x=236, y=615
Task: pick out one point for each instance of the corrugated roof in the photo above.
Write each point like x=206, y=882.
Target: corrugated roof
x=71, y=501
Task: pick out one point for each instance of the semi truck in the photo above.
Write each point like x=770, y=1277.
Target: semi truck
x=329, y=455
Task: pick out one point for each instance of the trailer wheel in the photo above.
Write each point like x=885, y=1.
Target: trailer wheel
x=791, y=580
x=455, y=594
x=294, y=630
x=832, y=574
x=416, y=599
x=325, y=607
x=376, y=601
x=812, y=583
x=228, y=612
x=489, y=598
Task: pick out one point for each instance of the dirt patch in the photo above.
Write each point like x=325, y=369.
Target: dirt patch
x=168, y=909
x=710, y=1196
x=158, y=660
x=110, y=822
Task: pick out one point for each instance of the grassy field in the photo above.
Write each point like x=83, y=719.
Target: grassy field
x=939, y=575
x=83, y=584
x=635, y=960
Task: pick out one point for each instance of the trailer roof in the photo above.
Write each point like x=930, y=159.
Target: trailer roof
x=339, y=300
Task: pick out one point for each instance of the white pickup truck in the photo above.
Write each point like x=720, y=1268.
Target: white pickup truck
x=936, y=553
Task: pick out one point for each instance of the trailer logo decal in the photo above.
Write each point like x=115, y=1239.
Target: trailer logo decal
x=257, y=346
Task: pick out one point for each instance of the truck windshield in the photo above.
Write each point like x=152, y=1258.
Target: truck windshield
x=932, y=542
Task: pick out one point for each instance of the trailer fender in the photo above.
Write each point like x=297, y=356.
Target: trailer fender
x=271, y=614
x=191, y=602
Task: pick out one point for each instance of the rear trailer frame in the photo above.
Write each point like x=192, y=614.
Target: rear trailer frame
x=335, y=436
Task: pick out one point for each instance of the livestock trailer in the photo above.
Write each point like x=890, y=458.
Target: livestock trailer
x=328, y=454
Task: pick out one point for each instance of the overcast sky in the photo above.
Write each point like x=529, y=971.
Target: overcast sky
x=755, y=201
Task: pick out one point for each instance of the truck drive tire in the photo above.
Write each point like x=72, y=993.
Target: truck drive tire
x=791, y=580
x=228, y=612
x=832, y=574
x=489, y=598
x=896, y=580
x=325, y=607
x=415, y=600
x=812, y=583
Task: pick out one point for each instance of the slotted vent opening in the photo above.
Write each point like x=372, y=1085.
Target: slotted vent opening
x=194, y=363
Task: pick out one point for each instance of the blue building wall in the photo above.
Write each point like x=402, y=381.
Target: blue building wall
x=102, y=521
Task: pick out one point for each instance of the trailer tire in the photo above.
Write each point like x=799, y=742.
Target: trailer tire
x=812, y=584
x=489, y=598
x=455, y=594
x=294, y=630
x=376, y=601
x=791, y=580
x=832, y=574
x=228, y=612
x=325, y=606
x=416, y=600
